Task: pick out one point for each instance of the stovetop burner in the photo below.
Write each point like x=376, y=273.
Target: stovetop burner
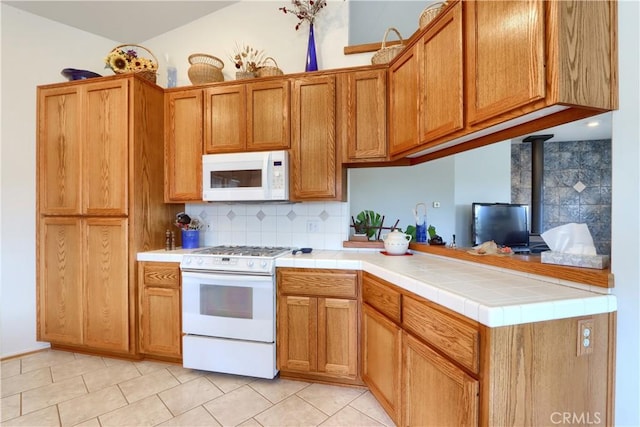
x=234, y=259
x=253, y=251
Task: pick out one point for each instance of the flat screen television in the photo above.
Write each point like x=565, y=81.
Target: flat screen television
x=507, y=224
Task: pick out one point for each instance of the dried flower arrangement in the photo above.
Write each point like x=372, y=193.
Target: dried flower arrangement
x=247, y=58
x=305, y=10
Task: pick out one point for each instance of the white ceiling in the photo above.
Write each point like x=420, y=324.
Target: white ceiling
x=109, y=18
x=105, y=18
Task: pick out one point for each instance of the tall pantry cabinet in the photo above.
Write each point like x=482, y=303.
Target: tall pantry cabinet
x=99, y=202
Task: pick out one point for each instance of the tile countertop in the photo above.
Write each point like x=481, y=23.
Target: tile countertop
x=490, y=295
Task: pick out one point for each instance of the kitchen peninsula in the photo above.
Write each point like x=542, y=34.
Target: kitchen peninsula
x=485, y=345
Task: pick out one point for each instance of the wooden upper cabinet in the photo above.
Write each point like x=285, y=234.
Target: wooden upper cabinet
x=363, y=114
x=505, y=56
x=59, y=150
x=247, y=117
x=316, y=169
x=440, y=53
x=268, y=125
x=106, y=130
x=83, y=147
x=183, y=146
x=225, y=119
x=404, y=82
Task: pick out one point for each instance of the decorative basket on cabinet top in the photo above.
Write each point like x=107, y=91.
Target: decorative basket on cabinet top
x=430, y=12
x=133, y=58
x=205, y=69
x=387, y=53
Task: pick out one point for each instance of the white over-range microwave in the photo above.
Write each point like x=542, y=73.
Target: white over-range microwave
x=253, y=176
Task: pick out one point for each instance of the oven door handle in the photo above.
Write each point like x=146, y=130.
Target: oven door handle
x=235, y=279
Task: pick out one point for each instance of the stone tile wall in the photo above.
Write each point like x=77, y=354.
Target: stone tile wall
x=577, y=185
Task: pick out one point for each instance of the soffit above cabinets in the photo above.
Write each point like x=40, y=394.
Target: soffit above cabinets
x=116, y=20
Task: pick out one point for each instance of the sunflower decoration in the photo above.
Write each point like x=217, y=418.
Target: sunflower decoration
x=122, y=60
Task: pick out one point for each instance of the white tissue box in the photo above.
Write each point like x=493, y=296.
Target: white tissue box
x=589, y=261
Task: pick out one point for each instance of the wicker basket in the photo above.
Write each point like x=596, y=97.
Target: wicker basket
x=430, y=12
x=387, y=53
x=205, y=69
x=137, y=59
x=269, y=70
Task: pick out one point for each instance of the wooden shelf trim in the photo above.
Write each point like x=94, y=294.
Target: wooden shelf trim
x=524, y=263
x=527, y=264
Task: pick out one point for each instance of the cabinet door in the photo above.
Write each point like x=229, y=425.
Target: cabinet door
x=106, y=284
x=338, y=337
x=365, y=112
x=105, y=148
x=382, y=360
x=505, y=60
x=315, y=174
x=225, y=119
x=441, y=82
x=160, y=333
x=59, y=171
x=268, y=126
x=160, y=325
x=60, y=303
x=183, y=146
x=297, y=333
x=435, y=391
x=403, y=102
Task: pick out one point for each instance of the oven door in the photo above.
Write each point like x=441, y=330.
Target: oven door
x=236, y=306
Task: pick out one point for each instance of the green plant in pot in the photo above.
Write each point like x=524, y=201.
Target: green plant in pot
x=368, y=222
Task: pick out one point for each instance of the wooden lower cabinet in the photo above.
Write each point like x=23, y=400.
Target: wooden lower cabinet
x=382, y=360
x=83, y=294
x=318, y=325
x=435, y=391
x=456, y=372
x=159, y=315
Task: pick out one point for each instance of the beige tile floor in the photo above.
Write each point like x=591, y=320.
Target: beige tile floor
x=57, y=388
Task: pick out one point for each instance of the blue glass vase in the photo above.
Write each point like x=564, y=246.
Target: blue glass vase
x=312, y=62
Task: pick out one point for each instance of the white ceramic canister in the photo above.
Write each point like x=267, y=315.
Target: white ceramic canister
x=396, y=242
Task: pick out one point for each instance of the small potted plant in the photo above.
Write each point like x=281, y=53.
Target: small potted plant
x=366, y=224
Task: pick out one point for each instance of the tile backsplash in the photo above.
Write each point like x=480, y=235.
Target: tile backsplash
x=577, y=185
x=319, y=225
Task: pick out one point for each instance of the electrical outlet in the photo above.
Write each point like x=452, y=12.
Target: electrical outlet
x=585, y=337
x=313, y=226
x=436, y=204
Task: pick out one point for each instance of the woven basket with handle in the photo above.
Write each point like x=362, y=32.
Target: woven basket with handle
x=148, y=63
x=387, y=53
x=269, y=70
x=430, y=12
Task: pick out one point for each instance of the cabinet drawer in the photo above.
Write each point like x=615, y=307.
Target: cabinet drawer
x=328, y=283
x=161, y=274
x=381, y=296
x=454, y=337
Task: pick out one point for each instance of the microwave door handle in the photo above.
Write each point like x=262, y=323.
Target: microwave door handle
x=266, y=174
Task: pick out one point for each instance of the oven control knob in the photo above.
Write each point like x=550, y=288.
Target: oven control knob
x=200, y=261
x=249, y=263
x=187, y=260
x=263, y=264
